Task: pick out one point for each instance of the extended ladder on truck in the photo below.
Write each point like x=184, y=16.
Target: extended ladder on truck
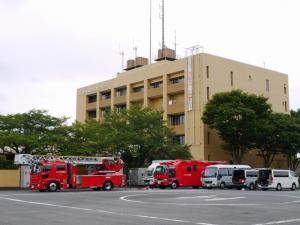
x=53, y=173
x=28, y=159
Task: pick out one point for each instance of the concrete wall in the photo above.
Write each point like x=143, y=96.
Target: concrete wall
x=9, y=178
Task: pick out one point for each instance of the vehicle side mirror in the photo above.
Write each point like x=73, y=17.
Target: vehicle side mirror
x=219, y=177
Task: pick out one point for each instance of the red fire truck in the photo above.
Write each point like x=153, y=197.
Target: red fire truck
x=63, y=172
x=181, y=173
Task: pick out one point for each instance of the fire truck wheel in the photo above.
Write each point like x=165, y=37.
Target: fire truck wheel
x=107, y=186
x=52, y=186
x=174, y=185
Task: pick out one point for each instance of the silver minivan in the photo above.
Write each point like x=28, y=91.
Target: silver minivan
x=245, y=178
x=277, y=179
x=219, y=175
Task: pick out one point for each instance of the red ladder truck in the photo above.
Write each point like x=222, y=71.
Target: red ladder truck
x=52, y=173
x=181, y=173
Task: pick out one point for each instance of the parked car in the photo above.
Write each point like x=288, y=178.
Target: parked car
x=277, y=179
x=220, y=175
x=245, y=178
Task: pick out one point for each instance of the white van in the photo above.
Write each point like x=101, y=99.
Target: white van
x=277, y=179
x=220, y=175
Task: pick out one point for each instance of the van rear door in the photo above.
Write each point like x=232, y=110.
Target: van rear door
x=264, y=177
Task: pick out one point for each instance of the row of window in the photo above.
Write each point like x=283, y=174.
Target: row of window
x=250, y=78
x=122, y=91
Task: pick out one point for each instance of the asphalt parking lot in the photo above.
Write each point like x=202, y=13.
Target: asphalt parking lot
x=150, y=207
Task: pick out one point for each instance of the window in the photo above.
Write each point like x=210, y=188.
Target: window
x=231, y=78
x=92, y=98
x=188, y=169
x=230, y=172
x=285, y=106
x=207, y=71
x=105, y=95
x=208, y=157
x=120, y=108
x=156, y=84
x=177, y=80
x=284, y=89
x=180, y=139
x=60, y=167
x=91, y=114
x=267, y=85
x=105, y=111
x=138, y=89
x=250, y=77
x=207, y=93
x=47, y=168
x=121, y=92
x=177, y=119
x=223, y=172
x=251, y=173
x=194, y=167
x=172, y=172
x=208, y=137
x=281, y=173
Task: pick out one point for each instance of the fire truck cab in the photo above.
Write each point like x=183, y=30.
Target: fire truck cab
x=181, y=173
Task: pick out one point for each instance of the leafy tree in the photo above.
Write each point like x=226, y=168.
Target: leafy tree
x=235, y=116
x=290, y=141
x=271, y=136
x=139, y=136
x=31, y=132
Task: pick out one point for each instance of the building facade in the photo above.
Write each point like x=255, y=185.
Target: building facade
x=181, y=88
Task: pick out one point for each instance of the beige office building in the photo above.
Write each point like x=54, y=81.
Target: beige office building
x=181, y=88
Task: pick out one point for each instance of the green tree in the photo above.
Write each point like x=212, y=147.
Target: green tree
x=290, y=141
x=271, y=136
x=32, y=132
x=235, y=116
x=140, y=136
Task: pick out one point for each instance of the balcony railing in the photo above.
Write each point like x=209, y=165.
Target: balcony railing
x=155, y=92
x=179, y=129
x=136, y=96
x=104, y=103
x=91, y=105
x=174, y=108
x=120, y=99
x=175, y=88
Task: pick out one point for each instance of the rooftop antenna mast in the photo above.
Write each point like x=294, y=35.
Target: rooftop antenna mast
x=122, y=55
x=135, y=50
x=150, y=56
x=175, y=43
x=163, y=23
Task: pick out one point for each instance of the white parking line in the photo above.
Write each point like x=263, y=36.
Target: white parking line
x=103, y=211
x=279, y=222
x=223, y=199
x=201, y=196
x=125, y=198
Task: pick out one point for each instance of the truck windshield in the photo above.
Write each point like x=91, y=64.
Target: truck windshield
x=149, y=173
x=160, y=170
x=36, y=168
x=210, y=172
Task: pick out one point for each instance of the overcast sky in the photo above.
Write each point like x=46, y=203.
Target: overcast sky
x=49, y=48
